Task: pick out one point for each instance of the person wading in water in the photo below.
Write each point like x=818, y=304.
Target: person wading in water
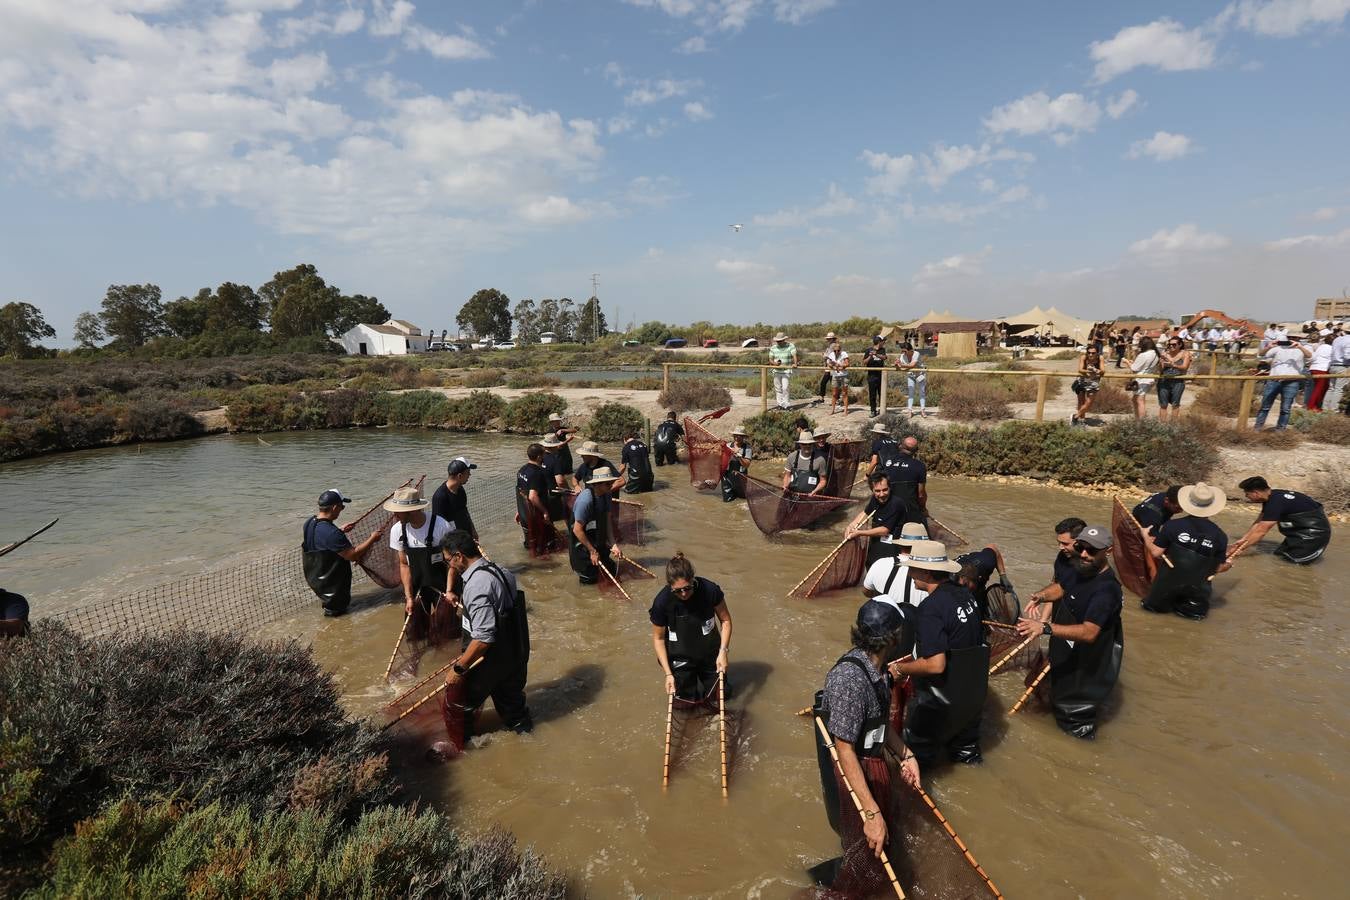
x=1066, y=531
x=805, y=473
x=416, y=537
x=884, y=448
x=560, y=432
x=886, y=515
x=590, y=533
x=532, y=490
x=909, y=478
x=636, y=464
x=950, y=665
x=1157, y=509
x=592, y=460
x=451, y=500
x=552, y=464
x=737, y=466
x=496, y=631
x=1195, y=548
x=666, y=441
x=1087, y=640
x=327, y=555
x=691, y=632
x=855, y=708
x=1301, y=520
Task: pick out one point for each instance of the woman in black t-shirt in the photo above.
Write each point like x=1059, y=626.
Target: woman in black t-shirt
x=691, y=632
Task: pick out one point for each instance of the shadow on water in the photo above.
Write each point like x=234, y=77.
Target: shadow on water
x=549, y=701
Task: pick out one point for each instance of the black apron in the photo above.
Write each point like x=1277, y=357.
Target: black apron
x=1083, y=675
x=871, y=740
x=804, y=480
x=426, y=566
x=326, y=572
x=511, y=648
x=692, y=645
x=946, y=704
x=639, y=470
x=579, y=557
x=1183, y=587
x=665, y=435
x=1306, y=536
x=733, y=479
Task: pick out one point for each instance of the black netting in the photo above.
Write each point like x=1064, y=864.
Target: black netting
x=774, y=509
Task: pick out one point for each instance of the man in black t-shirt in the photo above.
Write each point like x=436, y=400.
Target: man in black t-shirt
x=983, y=564
x=668, y=434
x=875, y=358
x=560, y=432
x=1087, y=640
x=885, y=515
x=1066, y=531
x=532, y=490
x=327, y=554
x=553, y=464
x=884, y=447
x=1156, y=509
x=451, y=501
x=590, y=461
x=950, y=664
x=635, y=464
x=1194, y=549
x=909, y=477
x=1301, y=520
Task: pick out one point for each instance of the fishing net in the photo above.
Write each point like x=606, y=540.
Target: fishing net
x=843, y=568
x=939, y=532
x=1002, y=604
x=381, y=562
x=428, y=721
x=844, y=457
x=775, y=510
x=541, y=534
x=708, y=455
x=627, y=520
x=1003, y=640
x=1135, y=566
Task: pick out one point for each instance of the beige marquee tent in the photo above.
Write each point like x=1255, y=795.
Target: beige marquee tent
x=1049, y=321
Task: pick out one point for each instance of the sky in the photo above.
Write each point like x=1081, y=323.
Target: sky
x=883, y=157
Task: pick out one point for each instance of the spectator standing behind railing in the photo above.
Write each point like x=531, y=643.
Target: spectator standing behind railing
x=910, y=361
x=1176, y=361
x=1144, y=366
x=1319, y=364
x=1340, y=362
x=1287, y=359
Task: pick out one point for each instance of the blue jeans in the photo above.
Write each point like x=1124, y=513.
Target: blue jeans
x=1286, y=391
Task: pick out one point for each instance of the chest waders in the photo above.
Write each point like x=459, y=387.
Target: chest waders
x=804, y=478
x=1083, y=675
x=945, y=711
x=501, y=675
x=598, y=532
x=640, y=476
x=1306, y=536
x=1183, y=587
x=870, y=747
x=428, y=571
x=692, y=645
x=326, y=572
x=664, y=442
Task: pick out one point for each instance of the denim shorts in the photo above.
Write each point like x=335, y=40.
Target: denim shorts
x=1170, y=391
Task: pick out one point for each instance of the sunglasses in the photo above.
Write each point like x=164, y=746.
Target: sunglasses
x=1080, y=547
x=687, y=589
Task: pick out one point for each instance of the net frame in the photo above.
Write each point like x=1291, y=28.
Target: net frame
x=1135, y=566
x=628, y=520
x=380, y=564
x=775, y=510
x=708, y=455
x=843, y=568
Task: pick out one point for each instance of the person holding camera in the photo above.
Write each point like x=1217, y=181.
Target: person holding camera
x=1176, y=362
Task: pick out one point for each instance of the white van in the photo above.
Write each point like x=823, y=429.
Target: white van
x=547, y=337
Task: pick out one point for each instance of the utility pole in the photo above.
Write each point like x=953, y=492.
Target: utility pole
x=595, y=310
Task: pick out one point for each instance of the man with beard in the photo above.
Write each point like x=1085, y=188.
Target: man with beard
x=1087, y=640
x=885, y=514
x=1065, y=534
x=950, y=665
x=1301, y=519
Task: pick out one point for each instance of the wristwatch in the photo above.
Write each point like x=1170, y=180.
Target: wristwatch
x=1045, y=629
x=459, y=670
x=870, y=814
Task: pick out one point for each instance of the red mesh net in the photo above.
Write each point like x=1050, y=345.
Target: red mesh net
x=541, y=534
x=843, y=568
x=381, y=562
x=1004, y=640
x=627, y=520
x=774, y=509
x=428, y=722
x=844, y=457
x=1135, y=567
x=708, y=455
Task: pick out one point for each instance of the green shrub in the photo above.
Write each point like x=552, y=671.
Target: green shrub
x=771, y=433
x=477, y=411
x=969, y=401
x=430, y=408
x=1111, y=398
x=370, y=381
x=1325, y=427
x=614, y=421
x=687, y=394
x=161, y=420
x=529, y=414
x=520, y=380
x=1223, y=398
x=484, y=378
x=644, y=383
x=262, y=408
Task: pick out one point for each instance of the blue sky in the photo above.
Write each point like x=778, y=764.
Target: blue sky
x=883, y=157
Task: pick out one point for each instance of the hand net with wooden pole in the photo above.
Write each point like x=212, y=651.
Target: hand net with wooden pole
x=843, y=568
x=709, y=455
x=1135, y=566
x=775, y=510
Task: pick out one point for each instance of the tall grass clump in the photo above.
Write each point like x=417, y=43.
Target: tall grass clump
x=529, y=414
x=484, y=378
x=686, y=394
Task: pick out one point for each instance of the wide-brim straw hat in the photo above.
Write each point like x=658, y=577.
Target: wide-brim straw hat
x=805, y=438
x=603, y=474
x=590, y=448
x=830, y=335
x=739, y=430
x=931, y=556
x=549, y=440
x=408, y=499
x=1201, y=499
x=780, y=336
x=555, y=417
x=880, y=428
x=910, y=533
x=821, y=433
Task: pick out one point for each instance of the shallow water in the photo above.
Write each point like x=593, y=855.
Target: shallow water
x=1217, y=774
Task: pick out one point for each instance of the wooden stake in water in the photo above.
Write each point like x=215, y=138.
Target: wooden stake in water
x=665, y=760
x=1031, y=690
x=722, y=724
x=399, y=643
x=857, y=804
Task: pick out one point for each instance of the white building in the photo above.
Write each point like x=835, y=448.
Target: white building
x=394, y=338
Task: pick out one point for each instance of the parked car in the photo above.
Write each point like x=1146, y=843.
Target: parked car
x=709, y=343
x=749, y=342
x=505, y=345
x=674, y=343
x=632, y=343
x=484, y=344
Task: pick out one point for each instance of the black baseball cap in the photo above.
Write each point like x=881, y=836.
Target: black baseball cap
x=333, y=498
x=877, y=619
x=459, y=464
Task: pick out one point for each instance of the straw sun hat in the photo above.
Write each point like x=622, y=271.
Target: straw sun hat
x=406, y=499
x=931, y=556
x=602, y=474
x=1201, y=500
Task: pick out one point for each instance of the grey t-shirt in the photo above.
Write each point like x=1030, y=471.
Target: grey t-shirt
x=486, y=600
x=819, y=466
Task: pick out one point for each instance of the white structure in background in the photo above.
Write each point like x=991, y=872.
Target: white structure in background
x=394, y=338
x=547, y=337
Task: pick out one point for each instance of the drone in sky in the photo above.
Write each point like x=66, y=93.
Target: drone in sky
x=736, y=228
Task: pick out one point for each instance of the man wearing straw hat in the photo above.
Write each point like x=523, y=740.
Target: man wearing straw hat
x=590, y=532
x=1087, y=639
x=557, y=427
x=805, y=472
x=950, y=664
x=783, y=357
x=1194, y=548
x=327, y=555
x=739, y=465
x=884, y=447
x=416, y=537
x=889, y=579
x=591, y=459
x=635, y=464
x=552, y=464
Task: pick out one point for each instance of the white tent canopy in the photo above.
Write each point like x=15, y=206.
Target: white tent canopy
x=1049, y=321
x=933, y=317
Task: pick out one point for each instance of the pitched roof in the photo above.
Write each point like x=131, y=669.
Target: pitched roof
x=404, y=326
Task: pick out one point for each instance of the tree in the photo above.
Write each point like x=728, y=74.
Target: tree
x=487, y=314
x=527, y=322
x=186, y=316
x=88, y=330
x=566, y=323
x=132, y=314
x=653, y=333
x=299, y=303
x=358, y=309
x=235, y=306
x=22, y=326
x=548, y=316
x=591, y=324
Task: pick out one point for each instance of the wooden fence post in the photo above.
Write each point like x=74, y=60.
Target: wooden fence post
x=1213, y=367
x=665, y=377
x=883, y=391
x=1042, y=382
x=763, y=389
x=1245, y=404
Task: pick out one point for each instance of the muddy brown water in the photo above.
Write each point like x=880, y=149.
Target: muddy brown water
x=1218, y=773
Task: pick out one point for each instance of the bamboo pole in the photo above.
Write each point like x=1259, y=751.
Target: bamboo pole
x=635, y=564
x=857, y=804
x=950, y=531
x=965, y=851
x=665, y=762
x=1031, y=690
x=1042, y=383
x=722, y=725
x=419, y=684
x=828, y=556
x=610, y=576
x=442, y=686
x=763, y=390
x=1011, y=653
x=17, y=544
x=399, y=643
x=804, y=711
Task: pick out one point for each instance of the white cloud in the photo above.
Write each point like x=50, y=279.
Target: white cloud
x=797, y=11
x=1325, y=214
x=1163, y=44
x=697, y=112
x=647, y=92
x=895, y=172
x=1163, y=147
x=1122, y=103
x=1063, y=116
x=620, y=124
x=1184, y=239
x=554, y=210
x=734, y=15
x=655, y=192
x=1285, y=18
x=956, y=266
x=784, y=287
x=866, y=282
x=395, y=20
x=695, y=44
x=836, y=203
x=946, y=162
x=1311, y=241
x=744, y=269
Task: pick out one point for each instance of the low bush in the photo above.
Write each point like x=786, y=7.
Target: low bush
x=1222, y=398
x=157, y=420
x=1333, y=491
x=772, y=433
x=967, y=401
x=484, y=378
x=614, y=421
x=520, y=380
x=1063, y=355
x=369, y=381
x=477, y=411
x=645, y=383
x=1219, y=432
x=529, y=414
x=414, y=408
x=687, y=394
x=1324, y=427
x=262, y=408
x=1111, y=398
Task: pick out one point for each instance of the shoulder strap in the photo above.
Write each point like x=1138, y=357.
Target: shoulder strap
x=895, y=570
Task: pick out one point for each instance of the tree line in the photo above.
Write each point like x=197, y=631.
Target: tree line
x=488, y=313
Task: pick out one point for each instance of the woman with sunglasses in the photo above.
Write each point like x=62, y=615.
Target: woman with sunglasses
x=1176, y=361
x=1088, y=383
x=691, y=632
